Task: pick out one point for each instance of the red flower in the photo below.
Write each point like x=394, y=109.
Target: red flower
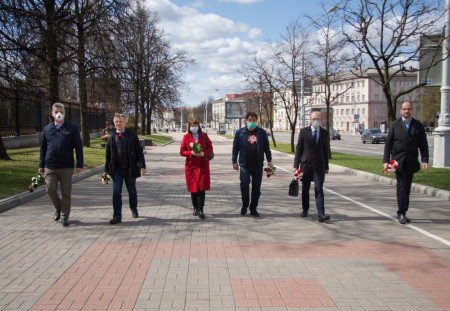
x=268, y=175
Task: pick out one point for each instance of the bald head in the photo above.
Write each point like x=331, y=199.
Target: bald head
x=406, y=110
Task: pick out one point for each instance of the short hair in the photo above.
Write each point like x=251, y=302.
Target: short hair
x=108, y=123
x=120, y=115
x=192, y=122
x=251, y=114
x=58, y=105
x=405, y=103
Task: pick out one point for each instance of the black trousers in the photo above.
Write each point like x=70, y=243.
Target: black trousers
x=198, y=199
x=404, y=181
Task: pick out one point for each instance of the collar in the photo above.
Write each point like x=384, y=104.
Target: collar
x=59, y=126
x=404, y=120
x=121, y=132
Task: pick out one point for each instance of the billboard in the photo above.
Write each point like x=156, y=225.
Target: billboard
x=235, y=110
x=430, y=54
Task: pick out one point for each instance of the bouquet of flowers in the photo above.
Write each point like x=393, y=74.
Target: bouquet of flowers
x=35, y=182
x=197, y=148
x=298, y=174
x=392, y=167
x=270, y=170
x=105, y=178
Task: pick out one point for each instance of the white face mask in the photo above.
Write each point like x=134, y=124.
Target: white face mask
x=315, y=124
x=194, y=129
x=59, y=117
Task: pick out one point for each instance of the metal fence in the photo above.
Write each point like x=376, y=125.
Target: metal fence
x=26, y=113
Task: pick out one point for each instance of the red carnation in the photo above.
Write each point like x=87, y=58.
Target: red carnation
x=268, y=175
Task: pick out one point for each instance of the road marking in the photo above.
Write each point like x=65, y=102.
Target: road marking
x=424, y=232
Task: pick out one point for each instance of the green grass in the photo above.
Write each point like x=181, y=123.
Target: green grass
x=16, y=174
x=433, y=177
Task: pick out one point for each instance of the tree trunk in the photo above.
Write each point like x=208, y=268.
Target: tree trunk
x=53, y=63
x=82, y=88
x=3, y=153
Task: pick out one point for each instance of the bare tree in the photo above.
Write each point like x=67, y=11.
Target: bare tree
x=430, y=104
x=385, y=34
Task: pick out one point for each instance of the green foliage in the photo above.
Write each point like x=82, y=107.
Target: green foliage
x=430, y=103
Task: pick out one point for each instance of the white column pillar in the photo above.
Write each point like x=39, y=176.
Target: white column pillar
x=441, y=156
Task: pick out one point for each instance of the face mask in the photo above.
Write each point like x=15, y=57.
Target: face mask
x=251, y=125
x=194, y=129
x=59, y=117
x=315, y=124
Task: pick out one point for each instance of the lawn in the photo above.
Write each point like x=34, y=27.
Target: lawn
x=16, y=174
x=433, y=177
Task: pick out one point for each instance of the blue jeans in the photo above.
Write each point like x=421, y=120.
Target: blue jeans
x=118, y=177
x=318, y=193
x=255, y=174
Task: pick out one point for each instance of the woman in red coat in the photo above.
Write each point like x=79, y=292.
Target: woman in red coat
x=196, y=168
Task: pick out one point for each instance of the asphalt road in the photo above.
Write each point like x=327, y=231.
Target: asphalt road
x=352, y=144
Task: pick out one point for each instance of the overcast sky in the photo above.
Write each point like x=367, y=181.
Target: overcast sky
x=220, y=34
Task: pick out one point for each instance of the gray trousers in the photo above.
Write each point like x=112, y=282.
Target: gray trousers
x=64, y=176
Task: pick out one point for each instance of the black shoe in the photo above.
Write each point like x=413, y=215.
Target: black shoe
x=134, y=214
x=201, y=214
x=57, y=215
x=254, y=214
x=304, y=214
x=403, y=219
x=65, y=221
x=324, y=218
x=195, y=213
x=115, y=221
x=243, y=211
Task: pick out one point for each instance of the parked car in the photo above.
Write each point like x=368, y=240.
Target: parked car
x=335, y=135
x=373, y=136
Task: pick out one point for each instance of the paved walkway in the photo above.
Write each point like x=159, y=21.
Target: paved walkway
x=169, y=260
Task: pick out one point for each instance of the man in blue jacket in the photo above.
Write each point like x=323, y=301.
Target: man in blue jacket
x=59, y=139
x=251, y=143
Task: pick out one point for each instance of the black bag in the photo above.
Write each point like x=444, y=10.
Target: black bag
x=211, y=154
x=293, y=188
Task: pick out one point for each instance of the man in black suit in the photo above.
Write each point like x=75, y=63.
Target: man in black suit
x=312, y=157
x=405, y=136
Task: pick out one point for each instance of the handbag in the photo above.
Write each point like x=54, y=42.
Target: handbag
x=211, y=154
x=293, y=188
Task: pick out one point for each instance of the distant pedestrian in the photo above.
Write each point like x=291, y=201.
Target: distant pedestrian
x=124, y=162
x=59, y=139
x=311, y=156
x=107, y=131
x=250, y=144
x=406, y=136
x=196, y=167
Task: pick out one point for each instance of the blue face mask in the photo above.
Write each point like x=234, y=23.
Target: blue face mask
x=251, y=125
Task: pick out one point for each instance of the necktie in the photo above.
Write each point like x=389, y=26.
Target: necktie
x=120, y=134
x=315, y=136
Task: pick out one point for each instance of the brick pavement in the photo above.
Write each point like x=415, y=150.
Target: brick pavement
x=169, y=260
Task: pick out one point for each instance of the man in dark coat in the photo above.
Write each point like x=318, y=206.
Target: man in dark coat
x=312, y=157
x=124, y=162
x=59, y=139
x=406, y=135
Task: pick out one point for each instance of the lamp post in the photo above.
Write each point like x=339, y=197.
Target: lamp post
x=441, y=154
x=302, y=81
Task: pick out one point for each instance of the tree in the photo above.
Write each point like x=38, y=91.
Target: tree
x=385, y=34
x=430, y=104
x=330, y=59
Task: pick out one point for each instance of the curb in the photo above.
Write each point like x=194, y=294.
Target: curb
x=418, y=188
x=18, y=199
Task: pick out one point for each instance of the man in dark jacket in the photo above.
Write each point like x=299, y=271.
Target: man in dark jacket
x=251, y=143
x=124, y=162
x=59, y=139
x=406, y=135
x=311, y=156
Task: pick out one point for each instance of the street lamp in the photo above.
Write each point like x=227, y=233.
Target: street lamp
x=302, y=81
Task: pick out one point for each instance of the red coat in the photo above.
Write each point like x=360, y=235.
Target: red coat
x=196, y=169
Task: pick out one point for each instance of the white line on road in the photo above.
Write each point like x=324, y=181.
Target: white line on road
x=424, y=232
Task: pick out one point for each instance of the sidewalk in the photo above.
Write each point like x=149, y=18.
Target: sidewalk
x=169, y=260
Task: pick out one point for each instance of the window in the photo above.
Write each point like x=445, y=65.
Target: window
x=384, y=111
x=353, y=98
x=363, y=97
x=358, y=110
x=347, y=99
x=409, y=83
x=347, y=112
x=363, y=111
x=375, y=98
x=375, y=111
x=359, y=98
x=337, y=112
x=353, y=111
x=362, y=83
x=342, y=112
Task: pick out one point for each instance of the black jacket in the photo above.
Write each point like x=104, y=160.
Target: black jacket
x=403, y=148
x=240, y=146
x=311, y=157
x=135, y=155
x=57, y=146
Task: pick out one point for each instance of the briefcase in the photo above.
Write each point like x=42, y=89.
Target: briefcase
x=293, y=188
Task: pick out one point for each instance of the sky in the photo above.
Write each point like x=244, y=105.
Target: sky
x=221, y=34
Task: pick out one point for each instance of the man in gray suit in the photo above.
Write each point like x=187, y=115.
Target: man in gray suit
x=406, y=136
x=312, y=157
